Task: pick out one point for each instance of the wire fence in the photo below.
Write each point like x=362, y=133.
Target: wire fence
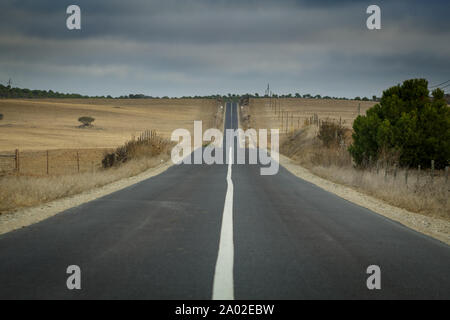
x=291, y=120
x=51, y=162
x=409, y=175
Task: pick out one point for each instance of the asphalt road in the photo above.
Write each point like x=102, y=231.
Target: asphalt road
x=172, y=237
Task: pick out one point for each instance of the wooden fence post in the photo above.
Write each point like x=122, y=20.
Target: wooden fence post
x=287, y=122
x=406, y=176
x=395, y=171
x=432, y=170
x=446, y=174
x=418, y=173
x=17, y=161
x=78, y=162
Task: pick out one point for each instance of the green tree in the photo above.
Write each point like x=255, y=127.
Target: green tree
x=407, y=122
x=86, y=121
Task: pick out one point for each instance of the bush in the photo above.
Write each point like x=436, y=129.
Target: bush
x=406, y=122
x=331, y=133
x=147, y=145
x=86, y=121
x=1, y=116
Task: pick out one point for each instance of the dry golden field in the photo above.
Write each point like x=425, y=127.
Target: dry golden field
x=58, y=159
x=47, y=133
x=53, y=123
x=263, y=116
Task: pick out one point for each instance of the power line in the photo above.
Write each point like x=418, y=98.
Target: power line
x=438, y=85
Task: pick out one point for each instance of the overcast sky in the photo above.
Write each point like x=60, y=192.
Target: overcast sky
x=201, y=47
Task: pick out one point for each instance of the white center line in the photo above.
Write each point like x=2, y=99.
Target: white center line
x=223, y=287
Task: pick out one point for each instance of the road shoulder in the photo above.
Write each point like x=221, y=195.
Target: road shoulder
x=28, y=216
x=433, y=227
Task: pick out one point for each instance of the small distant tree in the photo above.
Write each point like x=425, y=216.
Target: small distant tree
x=86, y=121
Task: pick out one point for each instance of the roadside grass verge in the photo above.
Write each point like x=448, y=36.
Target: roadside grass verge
x=420, y=194
x=25, y=191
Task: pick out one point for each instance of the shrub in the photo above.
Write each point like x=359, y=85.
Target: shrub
x=86, y=121
x=147, y=145
x=406, y=122
x=1, y=116
x=331, y=133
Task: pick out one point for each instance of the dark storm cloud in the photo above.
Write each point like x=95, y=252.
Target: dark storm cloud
x=168, y=47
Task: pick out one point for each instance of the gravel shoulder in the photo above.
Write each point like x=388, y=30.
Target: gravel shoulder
x=28, y=216
x=433, y=227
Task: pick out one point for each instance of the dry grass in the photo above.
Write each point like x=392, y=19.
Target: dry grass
x=263, y=116
x=26, y=191
x=37, y=126
x=53, y=123
x=335, y=163
x=134, y=157
x=60, y=161
x=424, y=197
x=41, y=125
x=420, y=194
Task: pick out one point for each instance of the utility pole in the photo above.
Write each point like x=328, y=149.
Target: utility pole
x=267, y=93
x=9, y=83
x=270, y=101
x=287, y=122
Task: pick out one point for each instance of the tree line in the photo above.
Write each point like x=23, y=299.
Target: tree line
x=11, y=93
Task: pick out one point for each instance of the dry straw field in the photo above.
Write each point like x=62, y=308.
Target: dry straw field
x=53, y=123
x=57, y=158
x=293, y=113
x=50, y=141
